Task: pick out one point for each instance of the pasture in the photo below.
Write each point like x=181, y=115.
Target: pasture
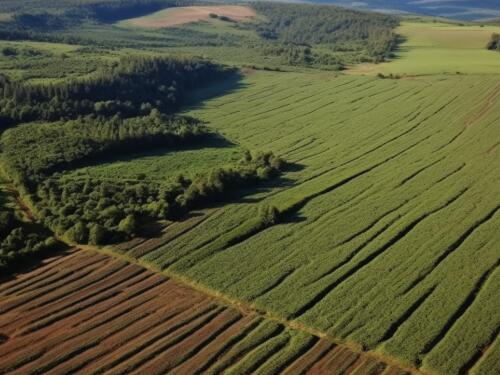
x=439, y=48
x=87, y=313
x=383, y=215
x=172, y=17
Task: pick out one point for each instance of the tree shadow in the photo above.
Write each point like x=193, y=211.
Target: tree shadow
x=196, y=99
x=211, y=140
x=31, y=263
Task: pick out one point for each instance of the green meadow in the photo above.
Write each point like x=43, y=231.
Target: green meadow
x=435, y=48
x=164, y=164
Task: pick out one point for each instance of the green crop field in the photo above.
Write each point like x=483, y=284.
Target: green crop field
x=434, y=47
x=360, y=206
x=394, y=197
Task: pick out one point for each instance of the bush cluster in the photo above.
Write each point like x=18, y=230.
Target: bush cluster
x=17, y=242
x=494, y=43
x=102, y=211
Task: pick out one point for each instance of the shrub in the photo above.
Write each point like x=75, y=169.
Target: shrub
x=128, y=225
x=77, y=233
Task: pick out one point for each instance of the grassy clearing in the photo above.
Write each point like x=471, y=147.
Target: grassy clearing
x=435, y=48
x=163, y=164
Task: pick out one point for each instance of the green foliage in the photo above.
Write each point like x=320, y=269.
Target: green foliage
x=106, y=211
x=19, y=242
x=128, y=225
x=97, y=235
x=77, y=233
x=34, y=151
x=337, y=28
x=269, y=215
x=59, y=14
x=494, y=43
x=134, y=86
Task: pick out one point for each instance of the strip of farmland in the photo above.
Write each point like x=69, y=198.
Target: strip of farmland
x=87, y=313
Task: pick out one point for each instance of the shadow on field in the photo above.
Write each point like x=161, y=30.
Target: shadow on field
x=196, y=98
x=256, y=194
x=213, y=140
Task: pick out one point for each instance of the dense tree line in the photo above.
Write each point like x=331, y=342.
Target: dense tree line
x=102, y=211
x=133, y=87
x=340, y=29
x=32, y=152
x=18, y=242
x=494, y=43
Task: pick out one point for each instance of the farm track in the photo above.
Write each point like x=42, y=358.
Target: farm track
x=137, y=321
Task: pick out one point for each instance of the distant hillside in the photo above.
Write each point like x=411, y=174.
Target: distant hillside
x=458, y=9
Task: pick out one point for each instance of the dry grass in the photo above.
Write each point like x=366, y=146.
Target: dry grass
x=182, y=15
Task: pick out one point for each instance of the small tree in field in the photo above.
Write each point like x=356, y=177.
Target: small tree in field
x=494, y=43
x=269, y=215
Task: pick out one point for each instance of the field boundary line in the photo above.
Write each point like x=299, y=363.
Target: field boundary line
x=248, y=308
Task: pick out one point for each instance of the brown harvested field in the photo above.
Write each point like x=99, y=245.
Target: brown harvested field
x=84, y=312
x=182, y=15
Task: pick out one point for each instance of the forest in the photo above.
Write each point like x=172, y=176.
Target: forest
x=134, y=86
x=339, y=29
x=108, y=211
x=19, y=243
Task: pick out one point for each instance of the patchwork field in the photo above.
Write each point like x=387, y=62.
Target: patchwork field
x=182, y=15
x=433, y=48
x=87, y=313
x=390, y=214
x=359, y=236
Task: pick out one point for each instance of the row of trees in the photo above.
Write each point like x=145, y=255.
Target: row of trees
x=339, y=29
x=102, y=211
x=132, y=87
